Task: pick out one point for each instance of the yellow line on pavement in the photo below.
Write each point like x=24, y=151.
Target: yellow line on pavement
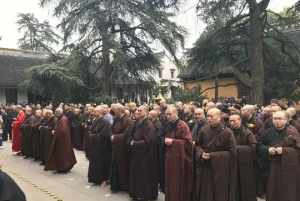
x=41, y=189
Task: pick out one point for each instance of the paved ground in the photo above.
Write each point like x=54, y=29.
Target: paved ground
x=47, y=186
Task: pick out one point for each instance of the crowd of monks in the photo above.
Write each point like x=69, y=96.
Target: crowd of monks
x=191, y=152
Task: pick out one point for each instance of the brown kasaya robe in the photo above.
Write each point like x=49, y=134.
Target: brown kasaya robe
x=77, y=131
x=100, y=151
x=61, y=154
x=120, y=164
x=282, y=170
x=179, y=163
x=296, y=123
x=246, y=160
x=36, y=137
x=216, y=177
x=143, y=157
x=46, y=137
x=86, y=139
x=255, y=125
x=27, y=136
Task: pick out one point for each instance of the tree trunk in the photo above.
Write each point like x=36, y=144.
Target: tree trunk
x=216, y=88
x=256, y=55
x=106, y=64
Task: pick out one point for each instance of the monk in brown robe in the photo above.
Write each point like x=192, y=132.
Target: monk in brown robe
x=27, y=133
x=268, y=123
x=178, y=158
x=77, y=129
x=215, y=158
x=37, y=119
x=120, y=166
x=279, y=151
x=188, y=116
x=246, y=159
x=61, y=154
x=100, y=152
x=200, y=121
x=251, y=121
x=143, y=157
x=153, y=116
x=89, y=118
x=45, y=128
x=293, y=119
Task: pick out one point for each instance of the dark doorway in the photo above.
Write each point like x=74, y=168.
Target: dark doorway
x=11, y=96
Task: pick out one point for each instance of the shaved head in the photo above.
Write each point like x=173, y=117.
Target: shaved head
x=153, y=115
x=291, y=111
x=171, y=113
x=214, y=116
x=199, y=114
x=59, y=112
x=280, y=119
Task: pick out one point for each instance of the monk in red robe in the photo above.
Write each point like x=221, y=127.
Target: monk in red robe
x=178, y=158
x=16, y=131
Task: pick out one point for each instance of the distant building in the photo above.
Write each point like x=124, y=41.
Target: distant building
x=13, y=64
x=167, y=78
x=229, y=81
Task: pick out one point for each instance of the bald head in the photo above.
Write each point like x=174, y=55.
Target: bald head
x=275, y=108
x=280, y=119
x=77, y=111
x=199, y=114
x=38, y=113
x=118, y=109
x=99, y=111
x=210, y=105
x=235, y=121
x=291, y=111
x=131, y=106
x=214, y=117
x=171, y=113
x=179, y=105
x=153, y=115
x=141, y=112
x=28, y=110
x=59, y=112
x=248, y=111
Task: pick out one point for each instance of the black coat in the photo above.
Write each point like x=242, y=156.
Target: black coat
x=9, y=190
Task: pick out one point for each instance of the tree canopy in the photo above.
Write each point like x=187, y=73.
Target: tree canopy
x=246, y=35
x=119, y=36
x=113, y=39
x=37, y=36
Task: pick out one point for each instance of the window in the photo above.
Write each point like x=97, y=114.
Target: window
x=11, y=96
x=160, y=73
x=172, y=73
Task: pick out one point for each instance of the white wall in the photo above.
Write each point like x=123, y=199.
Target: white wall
x=166, y=78
x=166, y=66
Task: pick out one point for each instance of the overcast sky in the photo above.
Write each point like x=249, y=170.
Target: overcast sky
x=10, y=8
